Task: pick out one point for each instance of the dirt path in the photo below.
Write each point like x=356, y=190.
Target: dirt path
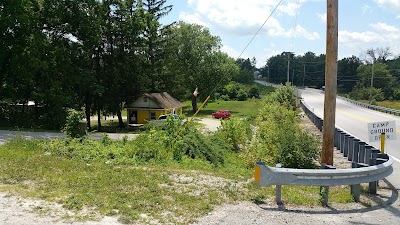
x=17, y=211
x=210, y=123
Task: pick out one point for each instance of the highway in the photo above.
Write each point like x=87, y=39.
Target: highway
x=354, y=119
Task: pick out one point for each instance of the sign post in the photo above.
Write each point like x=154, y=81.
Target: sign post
x=381, y=131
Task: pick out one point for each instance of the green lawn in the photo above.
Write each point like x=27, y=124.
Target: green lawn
x=247, y=108
x=390, y=104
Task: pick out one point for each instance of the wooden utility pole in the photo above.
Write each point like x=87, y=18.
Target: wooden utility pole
x=330, y=82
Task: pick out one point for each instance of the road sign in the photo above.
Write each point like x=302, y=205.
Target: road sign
x=384, y=127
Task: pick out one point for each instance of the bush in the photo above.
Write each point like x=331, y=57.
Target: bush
x=241, y=95
x=279, y=139
x=254, y=92
x=236, y=132
x=235, y=91
x=361, y=93
x=396, y=94
x=196, y=145
x=285, y=95
x=74, y=127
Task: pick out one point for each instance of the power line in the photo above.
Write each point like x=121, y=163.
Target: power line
x=260, y=28
x=294, y=25
x=222, y=78
x=248, y=44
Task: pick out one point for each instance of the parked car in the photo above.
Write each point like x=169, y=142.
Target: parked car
x=162, y=119
x=224, y=114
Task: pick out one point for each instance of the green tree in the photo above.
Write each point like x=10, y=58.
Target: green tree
x=381, y=80
x=247, y=68
x=154, y=36
x=193, y=60
x=347, y=72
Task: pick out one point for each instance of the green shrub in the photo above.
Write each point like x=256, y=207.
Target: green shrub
x=396, y=94
x=361, y=93
x=241, y=95
x=196, y=145
x=236, y=132
x=73, y=126
x=285, y=95
x=235, y=91
x=279, y=139
x=254, y=91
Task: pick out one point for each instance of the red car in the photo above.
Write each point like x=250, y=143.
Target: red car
x=221, y=114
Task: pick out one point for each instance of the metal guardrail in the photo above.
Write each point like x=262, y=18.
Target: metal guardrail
x=322, y=177
x=368, y=166
x=374, y=107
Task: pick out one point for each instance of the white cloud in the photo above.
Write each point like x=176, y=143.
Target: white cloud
x=230, y=51
x=322, y=17
x=366, y=9
x=195, y=18
x=392, y=5
x=245, y=18
x=347, y=37
x=384, y=27
x=290, y=8
x=354, y=42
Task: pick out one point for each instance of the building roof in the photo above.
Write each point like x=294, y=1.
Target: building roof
x=164, y=100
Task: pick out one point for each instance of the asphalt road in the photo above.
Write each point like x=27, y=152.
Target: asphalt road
x=354, y=120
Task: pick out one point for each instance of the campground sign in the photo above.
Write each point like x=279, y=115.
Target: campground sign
x=376, y=129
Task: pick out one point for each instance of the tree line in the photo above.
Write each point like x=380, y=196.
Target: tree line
x=353, y=77
x=97, y=55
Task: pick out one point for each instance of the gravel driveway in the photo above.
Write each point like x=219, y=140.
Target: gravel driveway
x=210, y=123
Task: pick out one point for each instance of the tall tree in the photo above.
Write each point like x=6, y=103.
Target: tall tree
x=247, y=68
x=382, y=78
x=121, y=57
x=154, y=35
x=193, y=60
x=347, y=72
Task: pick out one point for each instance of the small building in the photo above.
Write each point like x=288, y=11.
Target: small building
x=150, y=106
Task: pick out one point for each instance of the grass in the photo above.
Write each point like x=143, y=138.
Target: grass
x=171, y=192
x=247, y=108
x=390, y=104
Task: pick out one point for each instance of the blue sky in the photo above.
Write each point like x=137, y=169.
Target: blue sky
x=298, y=26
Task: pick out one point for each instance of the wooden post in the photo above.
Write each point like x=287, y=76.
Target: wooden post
x=330, y=82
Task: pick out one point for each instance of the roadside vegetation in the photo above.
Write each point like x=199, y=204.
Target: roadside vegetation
x=163, y=177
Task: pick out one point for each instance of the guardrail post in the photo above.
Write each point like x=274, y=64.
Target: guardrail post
x=374, y=184
x=355, y=189
x=324, y=190
x=342, y=134
x=368, y=151
x=356, y=149
x=361, y=152
x=346, y=145
x=319, y=123
x=351, y=149
x=336, y=138
x=278, y=189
